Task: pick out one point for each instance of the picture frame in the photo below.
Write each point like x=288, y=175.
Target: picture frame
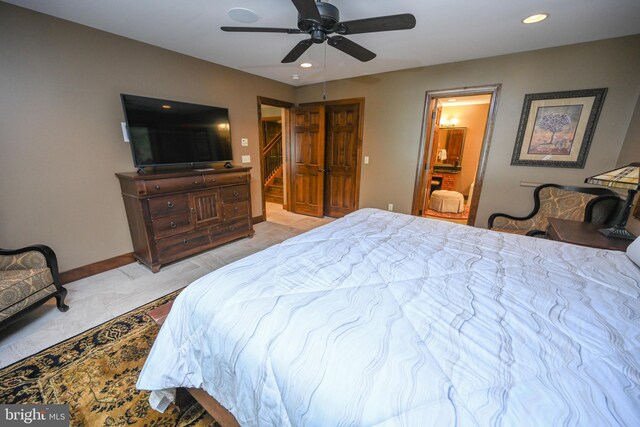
x=556, y=128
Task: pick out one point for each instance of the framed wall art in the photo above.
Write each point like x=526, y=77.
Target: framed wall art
x=556, y=128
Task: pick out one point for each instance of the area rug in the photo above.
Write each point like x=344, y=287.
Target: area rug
x=462, y=215
x=95, y=374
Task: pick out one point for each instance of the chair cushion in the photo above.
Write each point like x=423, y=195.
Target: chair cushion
x=19, y=285
x=30, y=300
x=23, y=261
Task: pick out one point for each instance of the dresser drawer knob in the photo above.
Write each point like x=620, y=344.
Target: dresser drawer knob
x=185, y=241
x=170, y=205
x=235, y=193
x=195, y=182
x=232, y=228
x=236, y=209
x=213, y=180
x=193, y=210
x=157, y=187
x=173, y=224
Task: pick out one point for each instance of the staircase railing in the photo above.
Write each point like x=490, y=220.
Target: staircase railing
x=272, y=157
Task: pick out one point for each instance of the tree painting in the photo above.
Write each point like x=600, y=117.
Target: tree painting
x=554, y=130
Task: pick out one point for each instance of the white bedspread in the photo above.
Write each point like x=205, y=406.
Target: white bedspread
x=392, y=320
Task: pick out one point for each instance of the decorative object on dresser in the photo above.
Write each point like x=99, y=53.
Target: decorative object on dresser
x=28, y=278
x=597, y=205
x=173, y=215
x=583, y=234
x=625, y=177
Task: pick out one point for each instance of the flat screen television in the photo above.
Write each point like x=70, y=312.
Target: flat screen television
x=172, y=133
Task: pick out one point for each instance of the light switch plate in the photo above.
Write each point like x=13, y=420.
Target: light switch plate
x=246, y=159
x=244, y=142
x=366, y=160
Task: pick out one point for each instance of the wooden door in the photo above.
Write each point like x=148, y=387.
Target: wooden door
x=341, y=159
x=307, y=160
x=433, y=136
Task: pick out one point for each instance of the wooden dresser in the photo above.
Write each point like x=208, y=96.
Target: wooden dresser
x=175, y=214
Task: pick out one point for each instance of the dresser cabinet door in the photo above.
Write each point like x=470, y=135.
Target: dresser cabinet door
x=206, y=208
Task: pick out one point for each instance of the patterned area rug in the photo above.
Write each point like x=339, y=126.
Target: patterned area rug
x=95, y=374
x=461, y=215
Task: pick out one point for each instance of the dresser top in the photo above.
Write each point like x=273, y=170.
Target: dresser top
x=135, y=176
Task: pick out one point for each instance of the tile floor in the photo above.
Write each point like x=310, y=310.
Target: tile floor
x=99, y=298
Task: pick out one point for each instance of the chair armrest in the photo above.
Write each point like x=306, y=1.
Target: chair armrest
x=493, y=217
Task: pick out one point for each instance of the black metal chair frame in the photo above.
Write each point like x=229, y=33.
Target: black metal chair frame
x=52, y=263
x=602, y=193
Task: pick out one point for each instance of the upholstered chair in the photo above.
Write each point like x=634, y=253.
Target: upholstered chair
x=597, y=205
x=28, y=278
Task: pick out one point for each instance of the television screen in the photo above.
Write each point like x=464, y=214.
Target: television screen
x=164, y=132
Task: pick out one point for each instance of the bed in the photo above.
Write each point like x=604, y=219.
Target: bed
x=393, y=320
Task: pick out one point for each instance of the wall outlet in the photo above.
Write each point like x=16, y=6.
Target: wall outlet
x=391, y=207
x=366, y=160
x=244, y=142
x=246, y=159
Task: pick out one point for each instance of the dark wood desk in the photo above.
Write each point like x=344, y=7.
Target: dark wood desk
x=584, y=234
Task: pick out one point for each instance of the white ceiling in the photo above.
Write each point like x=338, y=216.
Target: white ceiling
x=446, y=30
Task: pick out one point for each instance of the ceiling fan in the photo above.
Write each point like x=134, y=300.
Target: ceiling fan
x=321, y=19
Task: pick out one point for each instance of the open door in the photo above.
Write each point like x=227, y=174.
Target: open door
x=433, y=134
x=307, y=160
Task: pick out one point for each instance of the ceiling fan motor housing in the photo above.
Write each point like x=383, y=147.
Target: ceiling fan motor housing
x=330, y=17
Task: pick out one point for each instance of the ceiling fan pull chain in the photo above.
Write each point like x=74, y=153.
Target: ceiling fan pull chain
x=324, y=74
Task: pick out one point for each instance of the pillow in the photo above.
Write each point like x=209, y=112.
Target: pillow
x=633, y=251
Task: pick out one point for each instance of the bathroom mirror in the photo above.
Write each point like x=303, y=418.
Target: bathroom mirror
x=450, y=146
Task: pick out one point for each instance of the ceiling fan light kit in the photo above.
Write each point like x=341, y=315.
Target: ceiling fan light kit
x=320, y=20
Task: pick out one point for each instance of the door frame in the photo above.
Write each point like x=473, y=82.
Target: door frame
x=261, y=143
x=426, y=144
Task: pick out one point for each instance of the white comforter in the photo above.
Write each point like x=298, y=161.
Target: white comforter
x=392, y=320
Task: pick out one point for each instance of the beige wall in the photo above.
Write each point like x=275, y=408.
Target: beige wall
x=474, y=118
x=631, y=153
x=61, y=141
x=394, y=108
x=60, y=135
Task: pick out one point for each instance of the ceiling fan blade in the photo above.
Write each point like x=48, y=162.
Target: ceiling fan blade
x=404, y=21
x=297, y=50
x=261, y=30
x=307, y=9
x=351, y=48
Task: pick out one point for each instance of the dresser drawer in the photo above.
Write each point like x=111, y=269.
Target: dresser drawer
x=172, y=247
x=226, y=179
x=234, y=194
x=233, y=227
x=168, y=205
x=169, y=185
x=236, y=210
x=171, y=225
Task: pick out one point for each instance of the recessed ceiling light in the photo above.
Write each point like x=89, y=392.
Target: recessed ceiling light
x=166, y=107
x=306, y=65
x=295, y=76
x=451, y=100
x=535, y=18
x=242, y=14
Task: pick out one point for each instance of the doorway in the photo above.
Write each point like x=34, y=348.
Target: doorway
x=273, y=138
x=454, y=146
